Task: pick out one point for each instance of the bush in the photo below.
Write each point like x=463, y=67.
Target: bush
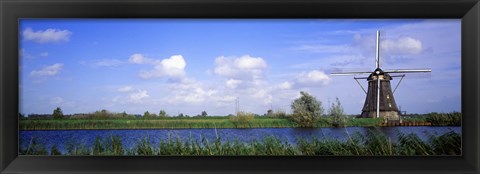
x=242, y=119
x=306, y=110
x=57, y=113
x=336, y=112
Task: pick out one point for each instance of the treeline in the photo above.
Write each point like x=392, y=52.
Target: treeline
x=105, y=114
x=307, y=111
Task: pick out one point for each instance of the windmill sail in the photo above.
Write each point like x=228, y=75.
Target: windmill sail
x=377, y=51
x=408, y=70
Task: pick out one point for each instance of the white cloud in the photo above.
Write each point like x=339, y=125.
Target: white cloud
x=233, y=83
x=48, y=70
x=227, y=99
x=286, y=85
x=128, y=95
x=245, y=71
x=198, y=95
x=393, y=49
x=140, y=59
x=125, y=89
x=46, y=36
x=173, y=67
x=313, y=78
x=138, y=96
x=245, y=67
x=402, y=45
x=262, y=94
x=247, y=62
x=191, y=92
x=361, y=50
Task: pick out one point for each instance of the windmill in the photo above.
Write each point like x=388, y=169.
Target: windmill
x=379, y=102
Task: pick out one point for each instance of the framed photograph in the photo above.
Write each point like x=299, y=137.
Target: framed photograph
x=239, y=87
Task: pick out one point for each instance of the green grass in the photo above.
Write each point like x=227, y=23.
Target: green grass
x=436, y=119
x=373, y=143
x=62, y=124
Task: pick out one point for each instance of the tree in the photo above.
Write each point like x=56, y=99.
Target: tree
x=146, y=114
x=306, y=110
x=57, y=113
x=204, y=113
x=336, y=111
x=162, y=114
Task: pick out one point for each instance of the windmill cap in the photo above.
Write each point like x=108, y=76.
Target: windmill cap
x=386, y=76
x=378, y=71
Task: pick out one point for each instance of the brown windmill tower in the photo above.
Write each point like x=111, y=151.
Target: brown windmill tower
x=379, y=102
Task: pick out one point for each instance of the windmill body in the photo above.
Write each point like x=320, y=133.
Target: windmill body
x=379, y=101
x=387, y=105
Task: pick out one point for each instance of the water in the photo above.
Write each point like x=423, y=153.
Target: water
x=131, y=137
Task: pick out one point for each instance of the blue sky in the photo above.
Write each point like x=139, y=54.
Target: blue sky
x=191, y=65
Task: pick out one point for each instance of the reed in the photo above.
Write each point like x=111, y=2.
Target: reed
x=65, y=124
x=373, y=143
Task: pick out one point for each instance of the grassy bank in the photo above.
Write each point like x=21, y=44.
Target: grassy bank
x=370, y=144
x=52, y=124
x=431, y=119
x=172, y=123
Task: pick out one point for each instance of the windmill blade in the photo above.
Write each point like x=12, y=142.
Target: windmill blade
x=348, y=73
x=409, y=70
x=377, y=52
x=378, y=97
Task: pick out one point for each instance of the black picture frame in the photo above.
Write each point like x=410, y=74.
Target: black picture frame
x=12, y=10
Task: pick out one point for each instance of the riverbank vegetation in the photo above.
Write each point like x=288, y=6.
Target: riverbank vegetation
x=244, y=121
x=372, y=143
x=307, y=111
